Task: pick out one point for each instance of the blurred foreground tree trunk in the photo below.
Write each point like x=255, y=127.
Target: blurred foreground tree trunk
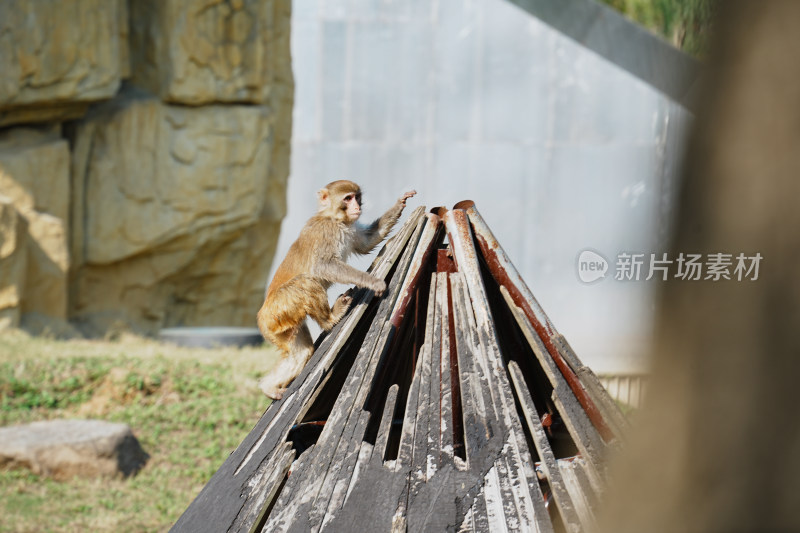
x=718, y=446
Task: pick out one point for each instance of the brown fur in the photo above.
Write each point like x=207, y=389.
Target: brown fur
x=315, y=261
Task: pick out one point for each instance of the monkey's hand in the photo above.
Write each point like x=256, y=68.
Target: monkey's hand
x=378, y=286
x=406, y=196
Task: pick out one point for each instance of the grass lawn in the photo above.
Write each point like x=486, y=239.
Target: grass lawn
x=189, y=408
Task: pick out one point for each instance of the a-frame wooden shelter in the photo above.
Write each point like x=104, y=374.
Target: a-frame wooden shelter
x=451, y=403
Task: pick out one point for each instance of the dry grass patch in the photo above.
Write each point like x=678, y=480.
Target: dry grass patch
x=189, y=408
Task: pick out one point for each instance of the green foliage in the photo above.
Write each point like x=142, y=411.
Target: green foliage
x=685, y=23
x=25, y=386
x=188, y=415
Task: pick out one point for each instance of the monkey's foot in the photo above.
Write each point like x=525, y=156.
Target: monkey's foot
x=274, y=392
x=341, y=304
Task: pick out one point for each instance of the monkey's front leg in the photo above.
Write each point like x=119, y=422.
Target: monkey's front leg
x=406, y=196
x=336, y=271
x=371, y=236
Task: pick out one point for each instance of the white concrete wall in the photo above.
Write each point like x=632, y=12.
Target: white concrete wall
x=475, y=99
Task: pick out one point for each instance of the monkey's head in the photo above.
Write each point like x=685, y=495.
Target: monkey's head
x=341, y=200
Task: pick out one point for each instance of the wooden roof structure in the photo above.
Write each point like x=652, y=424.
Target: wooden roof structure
x=451, y=403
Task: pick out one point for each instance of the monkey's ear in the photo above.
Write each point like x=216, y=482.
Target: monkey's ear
x=324, y=198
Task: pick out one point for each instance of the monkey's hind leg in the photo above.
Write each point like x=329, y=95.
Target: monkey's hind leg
x=282, y=321
x=290, y=365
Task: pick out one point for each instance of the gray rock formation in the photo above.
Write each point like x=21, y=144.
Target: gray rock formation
x=161, y=204
x=34, y=175
x=62, y=449
x=57, y=57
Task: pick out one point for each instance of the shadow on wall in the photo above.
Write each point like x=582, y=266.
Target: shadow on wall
x=716, y=447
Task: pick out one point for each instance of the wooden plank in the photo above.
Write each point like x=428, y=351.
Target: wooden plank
x=346, y=413
x=590, y=488
x=263, y=487
x=476, y=517
x=419, y=461
x=420, y=450
x=420, y=388
x=290, y=484
x=608, y=407
x=395, y=244
x=522, y=495
x=468, y=525
x=549, y=464
x=380, y=330
x=405, y=452
x=372, y=501
x=513, y=491
x=576, y=482
x=514, y=495
x=424, y=253
x=578, y=424
x=495, y=498
x=442, y=333
x=379, y=451
x=473, y=401
x=339, y=469
x=482, y=445
x=421, y=447
x=346, y=466
x=525, y=506
x=364, y=455
x=433, y=445
x=507, y=276
x=480, y=514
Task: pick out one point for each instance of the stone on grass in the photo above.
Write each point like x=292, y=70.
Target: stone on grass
x=62, y=449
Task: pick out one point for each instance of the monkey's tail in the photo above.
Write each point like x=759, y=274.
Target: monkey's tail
x=286, y=308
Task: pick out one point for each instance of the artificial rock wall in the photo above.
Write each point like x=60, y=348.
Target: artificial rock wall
x=144, y=152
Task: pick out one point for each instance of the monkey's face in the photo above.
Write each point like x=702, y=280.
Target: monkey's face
x=340, y=200
x=351, y=203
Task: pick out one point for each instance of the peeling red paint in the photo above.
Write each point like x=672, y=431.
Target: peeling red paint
x=444, y=261
x=544, y=329
x=418, y=269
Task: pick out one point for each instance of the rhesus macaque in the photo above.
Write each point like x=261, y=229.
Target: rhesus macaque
x=315, y=261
